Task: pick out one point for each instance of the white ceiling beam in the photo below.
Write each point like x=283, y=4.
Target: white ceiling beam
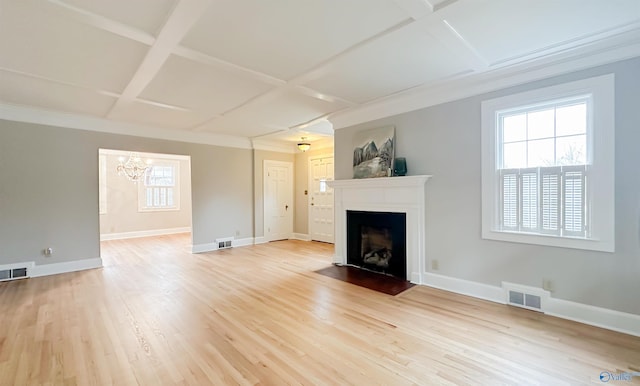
x=308, y=91
x=185, y=14
x=106, y=24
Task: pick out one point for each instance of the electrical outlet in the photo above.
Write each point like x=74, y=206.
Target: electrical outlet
x=435, y=265
x=547, y=285
x=48, y=252
x=237, y=233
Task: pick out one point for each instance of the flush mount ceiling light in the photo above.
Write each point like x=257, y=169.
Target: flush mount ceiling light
x=134, y=168
x=304, y=145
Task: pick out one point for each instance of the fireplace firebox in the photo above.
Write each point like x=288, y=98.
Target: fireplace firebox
x=377, y=241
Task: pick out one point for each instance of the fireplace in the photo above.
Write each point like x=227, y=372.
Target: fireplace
x=376, y=241
x=404, y=197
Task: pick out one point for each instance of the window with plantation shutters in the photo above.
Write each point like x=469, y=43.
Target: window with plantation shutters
x=160, y=188
x=546, y=200
x=548, y=166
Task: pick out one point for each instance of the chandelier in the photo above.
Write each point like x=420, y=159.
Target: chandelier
x=134, y=169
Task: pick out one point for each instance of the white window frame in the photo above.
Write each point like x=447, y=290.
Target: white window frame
x=600, y=183
x=143, y=187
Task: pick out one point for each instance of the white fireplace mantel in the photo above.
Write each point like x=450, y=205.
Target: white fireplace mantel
x=388, y=194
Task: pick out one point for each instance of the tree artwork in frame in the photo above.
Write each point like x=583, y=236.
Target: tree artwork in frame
x=373, y=152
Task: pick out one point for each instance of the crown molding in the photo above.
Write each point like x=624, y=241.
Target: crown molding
x=621, y=47
x=81, y=122
x=142, y=154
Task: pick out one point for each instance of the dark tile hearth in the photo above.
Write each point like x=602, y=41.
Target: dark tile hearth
x=372, y=280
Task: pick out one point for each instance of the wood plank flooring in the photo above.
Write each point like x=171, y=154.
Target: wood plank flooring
x=259, y=315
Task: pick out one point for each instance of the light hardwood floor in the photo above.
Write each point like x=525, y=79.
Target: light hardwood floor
x=158, y=315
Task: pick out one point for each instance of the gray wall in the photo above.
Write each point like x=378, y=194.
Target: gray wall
x=49, y=190
x=444, y=141
x=122, y=203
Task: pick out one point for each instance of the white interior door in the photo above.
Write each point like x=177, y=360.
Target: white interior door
x=278, y=200
x=321, y=199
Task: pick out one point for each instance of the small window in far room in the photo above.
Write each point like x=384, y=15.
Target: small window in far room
x=160, y=188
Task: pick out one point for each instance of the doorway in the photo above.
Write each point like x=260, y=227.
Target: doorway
x=158, y=203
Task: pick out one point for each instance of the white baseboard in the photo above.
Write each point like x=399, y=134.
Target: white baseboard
x=208, y=247
x=243, y=242
x=260, y=240
x=464, y=287
x=136, y=234
x=65, y=267
x=301, y=236
x=595, y=316
x=200, y=248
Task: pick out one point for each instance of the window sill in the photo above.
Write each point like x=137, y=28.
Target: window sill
x=551, y=240
x=147, y=210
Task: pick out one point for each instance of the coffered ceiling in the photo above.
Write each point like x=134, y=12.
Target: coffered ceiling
x=278, y=69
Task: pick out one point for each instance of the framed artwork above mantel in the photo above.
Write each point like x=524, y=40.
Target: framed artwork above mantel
x=374, y=152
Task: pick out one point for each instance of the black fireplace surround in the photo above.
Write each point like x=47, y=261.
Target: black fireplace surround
x=377, y=241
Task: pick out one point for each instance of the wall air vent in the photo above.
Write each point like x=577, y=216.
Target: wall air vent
x=225, y=243
x=7, y=274
x=531, y=298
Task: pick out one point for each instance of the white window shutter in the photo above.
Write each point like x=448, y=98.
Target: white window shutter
x=550, y=202
x=529, y=205
x=509, y=198
x=573, y=191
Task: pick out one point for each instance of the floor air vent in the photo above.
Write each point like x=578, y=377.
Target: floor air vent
x=531, y=298
x=225, y=243
x=13, y=274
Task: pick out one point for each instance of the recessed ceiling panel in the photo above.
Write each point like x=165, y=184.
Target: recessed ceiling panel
x=284, y=38
x=36, y=38
x=151, y=115
x=197, y=86
x=506, y=29
x=284, y=111
x=403, y=59
x=147, y=15
x=28, y=91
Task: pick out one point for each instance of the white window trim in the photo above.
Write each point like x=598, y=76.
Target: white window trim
x=601, y=181
x=142, y=196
